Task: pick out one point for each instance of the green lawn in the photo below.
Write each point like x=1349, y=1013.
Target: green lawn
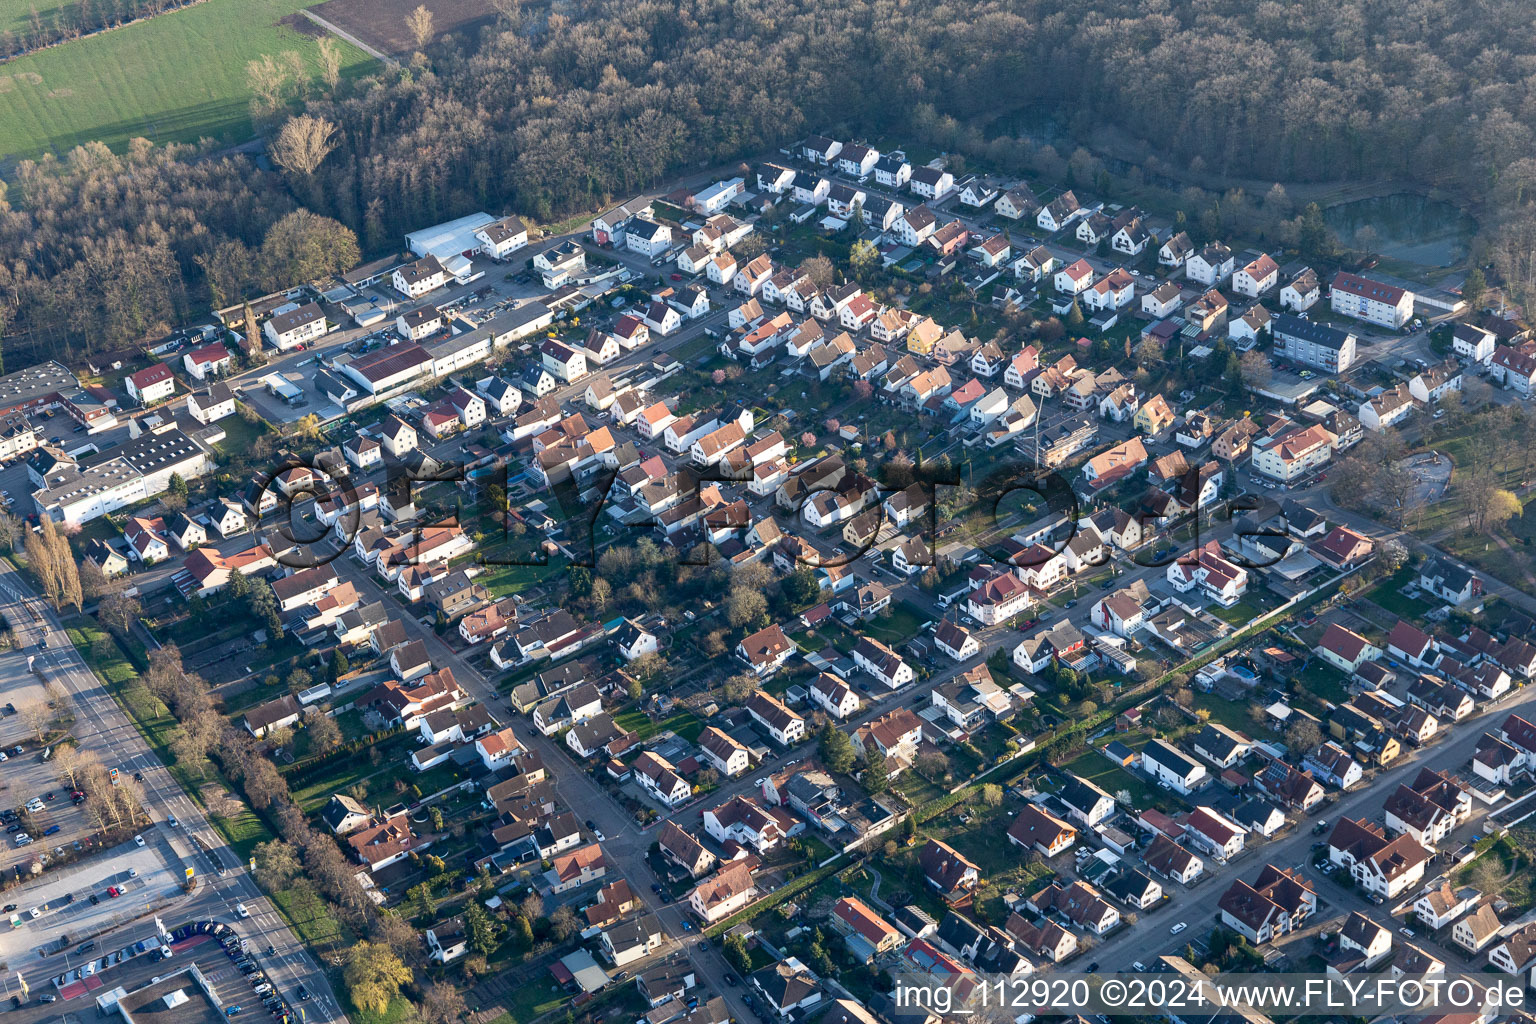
x=1240, y=614
x=506, y=580
x=1232, y=714
x=534, y=1000
x=1386, y=594
x=1324, y=681
x=239, y=435
x=1099, y=770
x=897, y=624
x=682, y=722
x=242, y=832
x=176, y=77
x=915, y=789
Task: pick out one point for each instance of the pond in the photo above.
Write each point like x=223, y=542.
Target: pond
x=1406, y=227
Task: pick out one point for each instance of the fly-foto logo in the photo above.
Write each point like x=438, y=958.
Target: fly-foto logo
x=313, y=514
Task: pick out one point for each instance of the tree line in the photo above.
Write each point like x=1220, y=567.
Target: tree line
x=71, y=21
x=547, y=115
x=107, y=249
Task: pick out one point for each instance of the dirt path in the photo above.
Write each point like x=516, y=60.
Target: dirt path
x=340, y=33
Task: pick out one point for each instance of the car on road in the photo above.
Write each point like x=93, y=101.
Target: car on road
x=138, y=840
x=1138, y=966
x=51, y=829
x=598, y=835
x=171, y=821
x=1177, y=928
x=165, y=952
x=241, y=911
x=730, y=979
x=1093, y=967
x=303, y=992
x=95, y=899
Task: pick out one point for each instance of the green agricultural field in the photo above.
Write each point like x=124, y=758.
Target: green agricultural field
x=174, y=78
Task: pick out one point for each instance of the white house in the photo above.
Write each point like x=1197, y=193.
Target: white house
x=1171, y=768
x=292, y=325
x=417, y=279
x=1256, y=277
x=1211, y=265
x=1472, y=343
x=150, y=385
x=502, y=238
x=1369, y=300
x=834, y=696
x=647, y=237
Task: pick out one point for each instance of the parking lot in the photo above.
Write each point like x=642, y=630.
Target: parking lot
x=27, y=778
x=65, y=915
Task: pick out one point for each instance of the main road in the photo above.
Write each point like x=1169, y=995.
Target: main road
x=103, y=728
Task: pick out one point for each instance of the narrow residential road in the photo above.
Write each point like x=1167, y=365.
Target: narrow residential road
x=626, y=845
x=1197, y=907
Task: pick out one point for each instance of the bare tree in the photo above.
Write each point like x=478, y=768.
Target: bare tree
x=118, y=612
x=36, y=717
x=330, y=61
x=819, y=269
x=277, y=865
x=532, y=906
x=324, y=733
x=69, y=574
x=419, y=24
x=1255, y=369
x=58, y=697
x=303, y=144
x=40, y=561
x=442, y=1004
x=273, y=80
x=70, y=762
x=10, y=527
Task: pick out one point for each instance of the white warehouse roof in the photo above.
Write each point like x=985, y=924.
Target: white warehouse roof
x=450, y=239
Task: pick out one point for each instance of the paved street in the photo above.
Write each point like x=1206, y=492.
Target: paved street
x=104, y=729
